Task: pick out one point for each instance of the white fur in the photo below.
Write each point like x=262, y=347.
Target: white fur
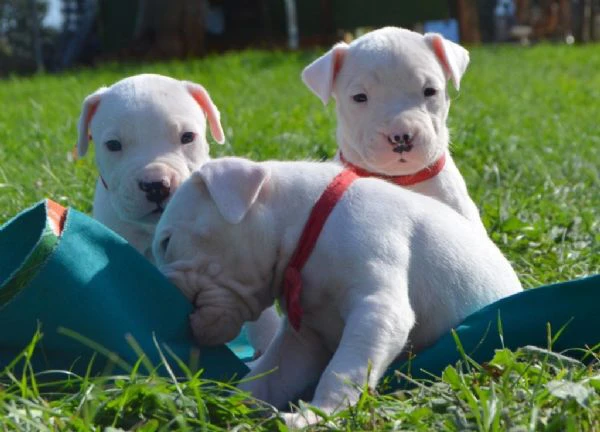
x=393, y=67
x=391, y=270
x=148, y=114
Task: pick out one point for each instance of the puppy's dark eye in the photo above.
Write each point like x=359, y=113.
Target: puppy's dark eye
x=429, y=91
x=360, y=98
x=114, y=145
x=187, y=137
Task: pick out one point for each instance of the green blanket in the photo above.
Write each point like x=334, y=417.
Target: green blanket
x=88, y=290
x=71, y=274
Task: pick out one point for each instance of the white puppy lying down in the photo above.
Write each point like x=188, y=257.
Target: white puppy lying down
x=150, y=134
x=391, y=270
x=392, y=104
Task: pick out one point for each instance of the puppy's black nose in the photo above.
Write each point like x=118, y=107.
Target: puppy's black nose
x=156, y=191
x=399, y=139
x=402, y=148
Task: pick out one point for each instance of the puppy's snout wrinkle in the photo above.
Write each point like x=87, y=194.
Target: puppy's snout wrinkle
x=156, y=191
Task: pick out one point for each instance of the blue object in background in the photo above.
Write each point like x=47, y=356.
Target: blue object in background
x=447, y=28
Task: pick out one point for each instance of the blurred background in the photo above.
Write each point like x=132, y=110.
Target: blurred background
x=53, y=35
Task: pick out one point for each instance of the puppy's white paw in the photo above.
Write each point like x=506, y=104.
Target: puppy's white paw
x=300, y=420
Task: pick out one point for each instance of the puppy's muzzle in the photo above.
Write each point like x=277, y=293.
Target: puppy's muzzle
x=156, y=191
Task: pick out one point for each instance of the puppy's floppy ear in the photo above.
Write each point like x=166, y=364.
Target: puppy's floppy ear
x=453, y=58
x=233, y=184
x=90, y=105
x=320, y=75
x=213, y=116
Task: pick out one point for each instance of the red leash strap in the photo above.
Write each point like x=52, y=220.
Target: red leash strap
x=292, y=279
x=401, y=180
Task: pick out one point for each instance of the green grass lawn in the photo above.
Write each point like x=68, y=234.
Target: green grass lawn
x=526, y=135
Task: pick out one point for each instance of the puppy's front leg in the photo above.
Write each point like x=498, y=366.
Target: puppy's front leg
x=292, y=362
x=262, y=331
x=375, y=333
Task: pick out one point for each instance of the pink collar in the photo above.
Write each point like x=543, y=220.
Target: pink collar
x=292, y=278
x=401, y=180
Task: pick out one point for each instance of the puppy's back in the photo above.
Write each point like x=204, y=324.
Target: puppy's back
x=452, y=269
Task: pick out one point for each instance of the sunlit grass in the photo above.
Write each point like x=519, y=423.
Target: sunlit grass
x=530, y=389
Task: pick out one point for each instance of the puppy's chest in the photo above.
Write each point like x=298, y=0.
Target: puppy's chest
x=328, y=327
x=322, y=314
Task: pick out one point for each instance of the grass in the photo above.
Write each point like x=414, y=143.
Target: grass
x=528, y=390
x=526, y=137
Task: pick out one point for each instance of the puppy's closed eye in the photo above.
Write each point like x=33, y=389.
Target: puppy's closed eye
x=162, y=248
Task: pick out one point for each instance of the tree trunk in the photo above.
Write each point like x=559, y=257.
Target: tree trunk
x=178, y=27
x=36, y=41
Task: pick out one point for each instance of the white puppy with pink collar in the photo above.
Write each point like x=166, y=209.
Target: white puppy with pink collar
x=392, y=104
x=391, y=270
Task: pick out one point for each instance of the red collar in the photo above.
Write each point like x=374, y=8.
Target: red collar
x=292, y=278
x=402, y=180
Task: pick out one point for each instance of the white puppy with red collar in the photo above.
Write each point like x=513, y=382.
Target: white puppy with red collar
x=390, y=270
x=392, y=104
x=150, y=134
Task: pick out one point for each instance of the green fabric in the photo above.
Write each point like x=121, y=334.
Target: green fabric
x=25, y=251
x=524, y=318
x=90, y=281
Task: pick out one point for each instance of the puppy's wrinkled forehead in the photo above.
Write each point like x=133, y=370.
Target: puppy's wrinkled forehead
x=390, y=54
x=166, y=95
x=146, y=107
x=191, y=209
